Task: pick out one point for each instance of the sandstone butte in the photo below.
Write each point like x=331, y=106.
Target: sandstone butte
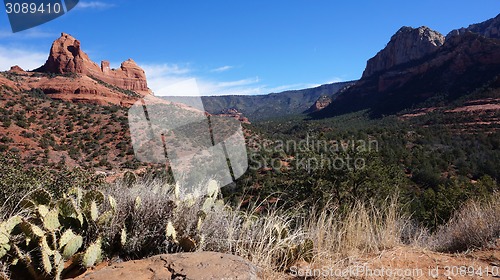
x=70, y=75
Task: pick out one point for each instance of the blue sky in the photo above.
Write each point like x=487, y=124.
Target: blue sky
x=238, y=47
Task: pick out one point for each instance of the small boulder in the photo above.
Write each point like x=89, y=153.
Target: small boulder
x=199, y=266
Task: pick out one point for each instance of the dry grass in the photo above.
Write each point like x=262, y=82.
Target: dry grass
x=274, y=241
x=264, y=240
x=362, y=229
x=475, y=225
x=279, y=238
x=145, y=222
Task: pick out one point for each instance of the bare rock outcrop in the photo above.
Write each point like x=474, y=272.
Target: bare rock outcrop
x=199, y=266
x=406, y=45
x=320, y=104
x=235, y=114
x=66, y=56
x=488, y=29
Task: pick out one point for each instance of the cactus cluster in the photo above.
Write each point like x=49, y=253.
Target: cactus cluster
x=53, y=232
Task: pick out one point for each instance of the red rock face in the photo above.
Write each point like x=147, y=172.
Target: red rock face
x=320, y=104
x=66, y=56
x=130, y=76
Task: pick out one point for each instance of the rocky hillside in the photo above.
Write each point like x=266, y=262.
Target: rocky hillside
x=419, y=65
x=71, y=112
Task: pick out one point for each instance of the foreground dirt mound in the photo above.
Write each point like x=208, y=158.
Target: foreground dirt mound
x=406, y=263
x=204, y=265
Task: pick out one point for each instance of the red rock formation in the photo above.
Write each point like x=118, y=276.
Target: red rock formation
x=462, y=64
x=67, y=56
x=130, y=76
x=320, y=104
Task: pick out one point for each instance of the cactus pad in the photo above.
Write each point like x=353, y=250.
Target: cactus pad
x=51, y=220
x=92, y=255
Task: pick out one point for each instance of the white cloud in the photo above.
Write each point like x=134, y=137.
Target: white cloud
x=94, y=5
x=335, y=80
x=176, y=80
x=161, y=70
x=222, y=69
x=187, y=87
x=28, y=60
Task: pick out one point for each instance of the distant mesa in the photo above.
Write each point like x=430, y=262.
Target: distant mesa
x=16, y=69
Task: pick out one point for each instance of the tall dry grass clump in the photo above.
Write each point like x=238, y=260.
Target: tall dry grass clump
x=475, y=225
x=274, y=239
x=363, y=228
x=281, y=237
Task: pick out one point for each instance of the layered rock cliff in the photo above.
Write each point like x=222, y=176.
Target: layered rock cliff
x=419, y=64
x=408, y=44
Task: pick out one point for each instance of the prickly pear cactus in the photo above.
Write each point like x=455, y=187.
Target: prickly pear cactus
x=52, y=232
x=6, y=229
x=70, y=243
x=92, y=255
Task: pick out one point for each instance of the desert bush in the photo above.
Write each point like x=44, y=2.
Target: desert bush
x=17, y=180
x=143, y=209
x=473, y=226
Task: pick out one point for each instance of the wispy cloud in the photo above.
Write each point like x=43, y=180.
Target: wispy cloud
x=331, y=81
x=242, y=82
x=28, y=60
x=222, y=69
x=177, y=80
x=33, y=33
x=181, y=80
x=94, y=5
x=335, y=80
